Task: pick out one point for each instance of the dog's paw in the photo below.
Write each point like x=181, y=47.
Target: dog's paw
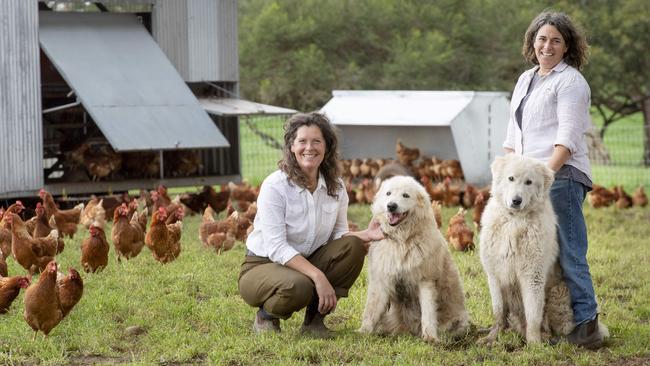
x=489, y=339
x=430, y=336
x=364, y=330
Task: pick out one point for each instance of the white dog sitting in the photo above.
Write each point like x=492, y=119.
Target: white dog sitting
x=519, y=252
x=413, y=284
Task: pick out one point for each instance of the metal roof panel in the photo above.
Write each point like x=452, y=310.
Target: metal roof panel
x=396, y=107
x=240, y=107
x=125, y=82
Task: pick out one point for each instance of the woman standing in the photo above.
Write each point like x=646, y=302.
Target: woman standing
x=300, y=253
x=549, y=115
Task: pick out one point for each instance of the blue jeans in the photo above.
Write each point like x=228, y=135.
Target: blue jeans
x=567, y=197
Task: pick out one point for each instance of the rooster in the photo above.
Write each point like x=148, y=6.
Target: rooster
x=217, y=200
x=94, y=250
x=460, y=236
x=221, y=242
x=639, y=197
x=624, y=200
x=9, y=289
x=162, y=239
x=66, y=220
x=128, y=231
x=43, y=227
x=160, y=198
x=237, y=224
x=406, y=155
x=242, y=192
x=93, y=212
x=42, y=304
x=33, y=254
x=70, y=287
x=479, y=206
x=99, y=162
x=5, y=228
x=600, y=197
x=469, y=196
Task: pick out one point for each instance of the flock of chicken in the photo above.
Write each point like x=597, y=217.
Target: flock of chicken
x=101, y=162
x=34, y=243
x=444, y=181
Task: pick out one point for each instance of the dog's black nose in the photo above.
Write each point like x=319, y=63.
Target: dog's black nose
x=392, y=206
x=516, y=201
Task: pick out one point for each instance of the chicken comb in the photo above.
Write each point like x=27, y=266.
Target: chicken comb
x=39, y=205
x=162, y=210
x=19, y=203
x=42, y=191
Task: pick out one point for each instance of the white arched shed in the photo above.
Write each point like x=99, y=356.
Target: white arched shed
x=464, y=125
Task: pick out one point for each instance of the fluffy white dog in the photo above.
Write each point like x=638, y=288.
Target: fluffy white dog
x=413, y=284
x=519, y=252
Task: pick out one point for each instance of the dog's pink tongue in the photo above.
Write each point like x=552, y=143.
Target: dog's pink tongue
x=394, y=218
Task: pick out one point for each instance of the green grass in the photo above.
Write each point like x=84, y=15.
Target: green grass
x=191, y=312
x=624, y=142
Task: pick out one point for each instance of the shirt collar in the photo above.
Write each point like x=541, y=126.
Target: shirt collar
x=559, y=67
x=321, y=184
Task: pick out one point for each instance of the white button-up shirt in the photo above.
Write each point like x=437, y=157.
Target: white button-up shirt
x=556, y=113
x=291, y=220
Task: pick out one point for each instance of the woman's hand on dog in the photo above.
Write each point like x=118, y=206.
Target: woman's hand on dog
x=372, y=233
x=374, y=230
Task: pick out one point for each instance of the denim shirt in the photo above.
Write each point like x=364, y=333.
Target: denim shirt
x=556, y=113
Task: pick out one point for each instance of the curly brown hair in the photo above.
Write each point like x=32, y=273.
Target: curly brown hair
x=329, y=168
x=576, y=54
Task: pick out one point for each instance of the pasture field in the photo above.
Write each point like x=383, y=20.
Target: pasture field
x=189, y=312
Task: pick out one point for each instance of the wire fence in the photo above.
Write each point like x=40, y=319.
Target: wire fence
x=616, y=159
x=261, y=146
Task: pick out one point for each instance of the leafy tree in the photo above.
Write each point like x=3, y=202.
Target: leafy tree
x=294, y=52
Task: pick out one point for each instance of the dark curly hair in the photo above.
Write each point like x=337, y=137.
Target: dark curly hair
x=576, y=54
x=329, y=167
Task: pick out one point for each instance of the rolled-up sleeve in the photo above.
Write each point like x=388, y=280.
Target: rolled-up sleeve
x=341, y=227
x=271, y=212
x=573, y=98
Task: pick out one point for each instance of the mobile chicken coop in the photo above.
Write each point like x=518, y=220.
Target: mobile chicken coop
x=116, y=95
x=463, y=125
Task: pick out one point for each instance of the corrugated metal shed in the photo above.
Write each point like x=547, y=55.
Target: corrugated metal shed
x=240, y=107
x=464, y=125
x=199, y=37
x=21, y=142
x=127, y=85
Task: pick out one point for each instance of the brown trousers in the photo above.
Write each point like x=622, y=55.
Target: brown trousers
x=282, y=290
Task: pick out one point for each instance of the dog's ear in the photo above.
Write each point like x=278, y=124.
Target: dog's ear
x=497, y=166
x=549, y=176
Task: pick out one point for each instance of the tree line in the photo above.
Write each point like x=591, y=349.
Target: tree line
x=293, y=53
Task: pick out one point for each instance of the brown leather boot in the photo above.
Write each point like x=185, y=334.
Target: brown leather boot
x=265, y=323
x=314, y=323
x=587, y=335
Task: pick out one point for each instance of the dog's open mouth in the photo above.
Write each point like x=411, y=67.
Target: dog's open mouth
x=395, y=218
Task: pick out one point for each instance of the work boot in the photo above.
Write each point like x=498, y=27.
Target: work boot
x=587, y=335
x=314, y=323
x=264, y=322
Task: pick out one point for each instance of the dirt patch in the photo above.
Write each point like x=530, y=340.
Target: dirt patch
x=98, y=359
x=633, y=361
